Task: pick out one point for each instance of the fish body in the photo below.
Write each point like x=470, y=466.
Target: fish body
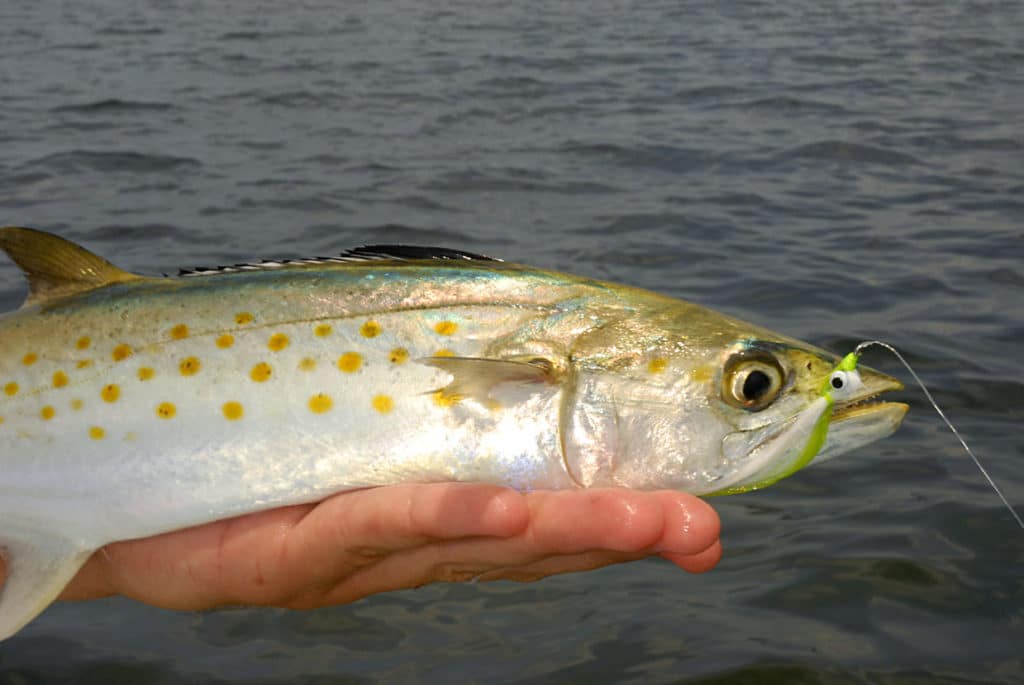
x=132, y=406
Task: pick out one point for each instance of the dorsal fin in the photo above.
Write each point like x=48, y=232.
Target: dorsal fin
x=412, y=252
x=366, y=253
x=56, y=267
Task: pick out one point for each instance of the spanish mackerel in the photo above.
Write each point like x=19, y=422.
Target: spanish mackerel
x=132, y=406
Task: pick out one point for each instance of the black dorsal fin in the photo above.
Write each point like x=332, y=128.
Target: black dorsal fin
x=366, y=253
x=411, y=253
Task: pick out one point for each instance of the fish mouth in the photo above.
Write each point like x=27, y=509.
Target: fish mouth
x=863, y=419
x=865, y=408
x=864, y=404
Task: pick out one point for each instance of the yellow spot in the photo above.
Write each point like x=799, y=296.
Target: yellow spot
x=84, y=364
x=443, y=399
x=370, y=329
x=121, y=352
x=110, y=393
x=657, y=365
x=446, y=327
x=232, y=410
x=323, y=330
x=179, y=332
x=47, y=412
x=399, y=355
x=444, y=352
x=307, y=364
x=261, y=372
x=97, y=433
x=166, y=410
x=242, y=318
x=492, y=404
x=225, y=341
x=60, y=379
x=11, y=389
x=350, y=362
x=76, y=404
x=29, y=359
x=320, y=403
x=702, y=374
x=1, y=419
x=145, y=373
x=383, y=403
x=277, y=342
x=83, y=343
x=189, y=366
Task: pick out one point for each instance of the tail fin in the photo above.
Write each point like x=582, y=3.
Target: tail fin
x=38, y=568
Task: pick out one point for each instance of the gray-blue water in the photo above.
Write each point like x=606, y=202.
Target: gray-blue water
x=834, y=170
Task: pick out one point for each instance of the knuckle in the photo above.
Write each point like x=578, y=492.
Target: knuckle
x=364, y=555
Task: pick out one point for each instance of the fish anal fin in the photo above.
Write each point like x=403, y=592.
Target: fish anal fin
x=56, y=267
x=38, y=568
x=477, y=377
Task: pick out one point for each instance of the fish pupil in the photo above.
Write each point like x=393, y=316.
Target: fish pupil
x=756, y=384
x=837, y=382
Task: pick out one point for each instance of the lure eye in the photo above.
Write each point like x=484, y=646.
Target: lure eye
x=845, y=384
x=752, y=382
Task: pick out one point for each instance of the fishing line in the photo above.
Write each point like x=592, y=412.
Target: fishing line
x=868, y=343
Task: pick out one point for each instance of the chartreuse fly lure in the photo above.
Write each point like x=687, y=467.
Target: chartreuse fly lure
x=845, y=382
x=846, y=379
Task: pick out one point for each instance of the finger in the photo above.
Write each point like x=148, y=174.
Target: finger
x=587, y=561
x=697, y=563
x=691, y=525
x=551, y=566
x=351, y=531
x=402, y=516
x=622, y=520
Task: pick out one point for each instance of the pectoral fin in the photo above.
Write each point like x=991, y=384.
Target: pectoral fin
x=56, y=267
x=38, y=568
x=477, y=377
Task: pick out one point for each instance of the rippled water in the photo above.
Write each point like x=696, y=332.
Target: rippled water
x=834, y=170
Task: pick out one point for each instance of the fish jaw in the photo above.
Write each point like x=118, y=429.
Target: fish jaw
x=861, y=425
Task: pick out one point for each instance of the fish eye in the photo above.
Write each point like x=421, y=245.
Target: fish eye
x=752, y=382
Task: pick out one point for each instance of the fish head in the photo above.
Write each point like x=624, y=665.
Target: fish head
x=694, y=400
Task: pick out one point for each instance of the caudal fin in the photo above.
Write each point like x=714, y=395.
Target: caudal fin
x=38, y=568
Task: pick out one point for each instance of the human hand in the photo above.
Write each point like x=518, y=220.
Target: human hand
x=363, y=542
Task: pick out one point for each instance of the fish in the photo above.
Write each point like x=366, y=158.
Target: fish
x=133, y=405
